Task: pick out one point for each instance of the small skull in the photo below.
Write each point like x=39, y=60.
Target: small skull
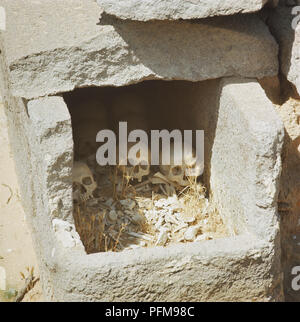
x=83, y=182
x=140, y=170
x=178, y=173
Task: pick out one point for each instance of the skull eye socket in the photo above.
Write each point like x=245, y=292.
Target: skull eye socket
x=87, y=181
x=176, y=171
x=79, y=187
x=144, y=167
x=136, y=170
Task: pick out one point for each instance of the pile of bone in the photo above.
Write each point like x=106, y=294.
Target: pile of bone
x=170, y=223
x=132, y=224
x=110, y=225
x=137, y=220
x=144, y=222
x=125, y=217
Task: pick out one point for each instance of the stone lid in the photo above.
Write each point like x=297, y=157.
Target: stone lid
x=145, y=10
x=53, y=46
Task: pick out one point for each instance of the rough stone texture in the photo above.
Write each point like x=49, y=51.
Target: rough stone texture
x=289, y=197
x=52, y=139
x=66, y=234
x=44, y=58
x=177, y=9
x=245, y=184
x=43, y=164
x=234, y=269
x=280, y=22
x=244, y=267
x=43, y=153
x=287, y=104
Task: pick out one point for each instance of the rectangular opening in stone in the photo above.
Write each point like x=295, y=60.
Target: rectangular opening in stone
x=142, y=206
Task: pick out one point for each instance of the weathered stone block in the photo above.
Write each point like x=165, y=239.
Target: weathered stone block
x=243, y=267
x=244, y=187
x=177, y=9
x=282, y=23
x=43, y=58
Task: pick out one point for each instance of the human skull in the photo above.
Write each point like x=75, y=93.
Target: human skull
x=83, y=182
x=138, y=171
x=141, y=169
x=180, y=173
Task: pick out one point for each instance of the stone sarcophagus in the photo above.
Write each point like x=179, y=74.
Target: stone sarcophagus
x=78, y=69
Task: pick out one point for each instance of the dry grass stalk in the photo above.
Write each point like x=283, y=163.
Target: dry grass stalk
x=30, y=281
x=193, y=197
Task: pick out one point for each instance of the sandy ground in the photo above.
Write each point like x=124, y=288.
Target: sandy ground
x=16, y=249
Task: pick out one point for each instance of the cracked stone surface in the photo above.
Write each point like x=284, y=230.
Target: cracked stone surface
x=44, y=59
x=177, y=9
